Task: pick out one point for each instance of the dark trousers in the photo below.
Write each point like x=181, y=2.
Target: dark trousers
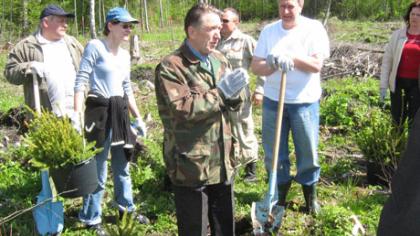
x=197, y=207
x=405, y=101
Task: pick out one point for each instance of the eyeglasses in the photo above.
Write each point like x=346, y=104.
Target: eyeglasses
x=225, y=20
x=127, y=26
x=123, y=25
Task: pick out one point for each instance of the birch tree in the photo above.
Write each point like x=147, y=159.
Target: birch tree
x=161, y=14
x=146, y=16
x=75, y=18
x=25, y=24
x=92, y=19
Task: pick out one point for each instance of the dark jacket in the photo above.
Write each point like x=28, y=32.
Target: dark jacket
x=105, y=114
x=401, y=213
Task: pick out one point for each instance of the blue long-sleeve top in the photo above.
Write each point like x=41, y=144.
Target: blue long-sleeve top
x=105, y=73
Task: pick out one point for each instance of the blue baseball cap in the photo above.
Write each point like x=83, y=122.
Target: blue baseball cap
x=54, y=10
x=121, y=15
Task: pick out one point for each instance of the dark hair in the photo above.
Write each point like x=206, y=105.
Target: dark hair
x=407, y=13
x=234, y=11
x=106, y=29
x=193, y=16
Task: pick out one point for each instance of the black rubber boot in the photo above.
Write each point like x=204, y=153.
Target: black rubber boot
x=283, y=189
x=309, y=192
x=250, y=172
x=139, y=218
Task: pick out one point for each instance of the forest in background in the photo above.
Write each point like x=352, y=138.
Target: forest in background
x=21, y=17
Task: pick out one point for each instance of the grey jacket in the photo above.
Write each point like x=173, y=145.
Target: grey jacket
x=18, y=71
x=391, y=58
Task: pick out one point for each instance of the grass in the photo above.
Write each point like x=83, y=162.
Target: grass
x=342, y=189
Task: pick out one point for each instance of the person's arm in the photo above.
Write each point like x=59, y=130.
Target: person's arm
x=82, y=78
x=387, y=61
x=17, y=70
x=132, y=105
x=311, y=64
x=260, y=67
x=184, y=102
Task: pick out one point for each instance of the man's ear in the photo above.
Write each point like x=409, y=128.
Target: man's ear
x=191, y=31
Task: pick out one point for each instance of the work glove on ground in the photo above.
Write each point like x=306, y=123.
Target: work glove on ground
x=280, y=62
x=382, y=95
x=233, y=82
x=140, y=127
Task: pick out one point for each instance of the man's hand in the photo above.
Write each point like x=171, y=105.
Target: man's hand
x=280, y=62
x=233, y=82
x=38, y=68
x=140, y=127
x=382, y=95
x=257, y=99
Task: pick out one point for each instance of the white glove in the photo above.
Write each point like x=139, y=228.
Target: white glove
x=140, y=127
x=233, y=82
x=280, y=62
x=76, y=121
x=382, y=94
x=38, y=68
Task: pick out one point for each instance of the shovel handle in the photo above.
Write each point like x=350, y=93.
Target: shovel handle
x=279, y=120
x=36, y=93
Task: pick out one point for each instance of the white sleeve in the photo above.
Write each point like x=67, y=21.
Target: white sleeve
x=261, y=48
x=320, y=44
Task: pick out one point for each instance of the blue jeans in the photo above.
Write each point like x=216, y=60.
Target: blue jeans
x=302, y=120
x=123, y=195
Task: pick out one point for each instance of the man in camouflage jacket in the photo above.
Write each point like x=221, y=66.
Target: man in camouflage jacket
x=197, y=145
x=238, y=48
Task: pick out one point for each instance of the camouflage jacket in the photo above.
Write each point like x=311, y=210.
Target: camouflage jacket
x=18, y=71
x=238, y=48
x=197, y=146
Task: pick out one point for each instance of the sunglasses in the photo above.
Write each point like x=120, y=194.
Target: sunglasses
x=123, y=25
x=225, y=21
x=127, y=26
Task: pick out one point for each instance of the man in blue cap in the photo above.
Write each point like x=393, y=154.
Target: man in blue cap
x=53, y=57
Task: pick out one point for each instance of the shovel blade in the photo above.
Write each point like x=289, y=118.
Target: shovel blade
x=264, y=220
x=49, y=218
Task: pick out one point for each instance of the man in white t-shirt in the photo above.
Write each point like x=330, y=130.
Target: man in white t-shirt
x=296, y=45
x=53, y=56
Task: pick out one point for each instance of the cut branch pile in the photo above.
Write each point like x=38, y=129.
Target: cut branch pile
x=353, y=60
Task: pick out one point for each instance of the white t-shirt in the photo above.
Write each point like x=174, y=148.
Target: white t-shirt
x=61, y=75
x=309, y=38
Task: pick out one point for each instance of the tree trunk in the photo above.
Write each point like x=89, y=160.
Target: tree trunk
x=327, y=14
x=2, y=17
x=161, y=14
x=146, y=17
x=92, y=19
x=100, y=2
x=76, y=29
x=25, y=24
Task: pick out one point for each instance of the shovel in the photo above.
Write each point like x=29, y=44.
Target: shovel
x=266, y=215
x=48, y=215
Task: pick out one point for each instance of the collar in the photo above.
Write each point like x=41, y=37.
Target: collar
x=234, y=35
x=43, y=40
x=196, y=53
